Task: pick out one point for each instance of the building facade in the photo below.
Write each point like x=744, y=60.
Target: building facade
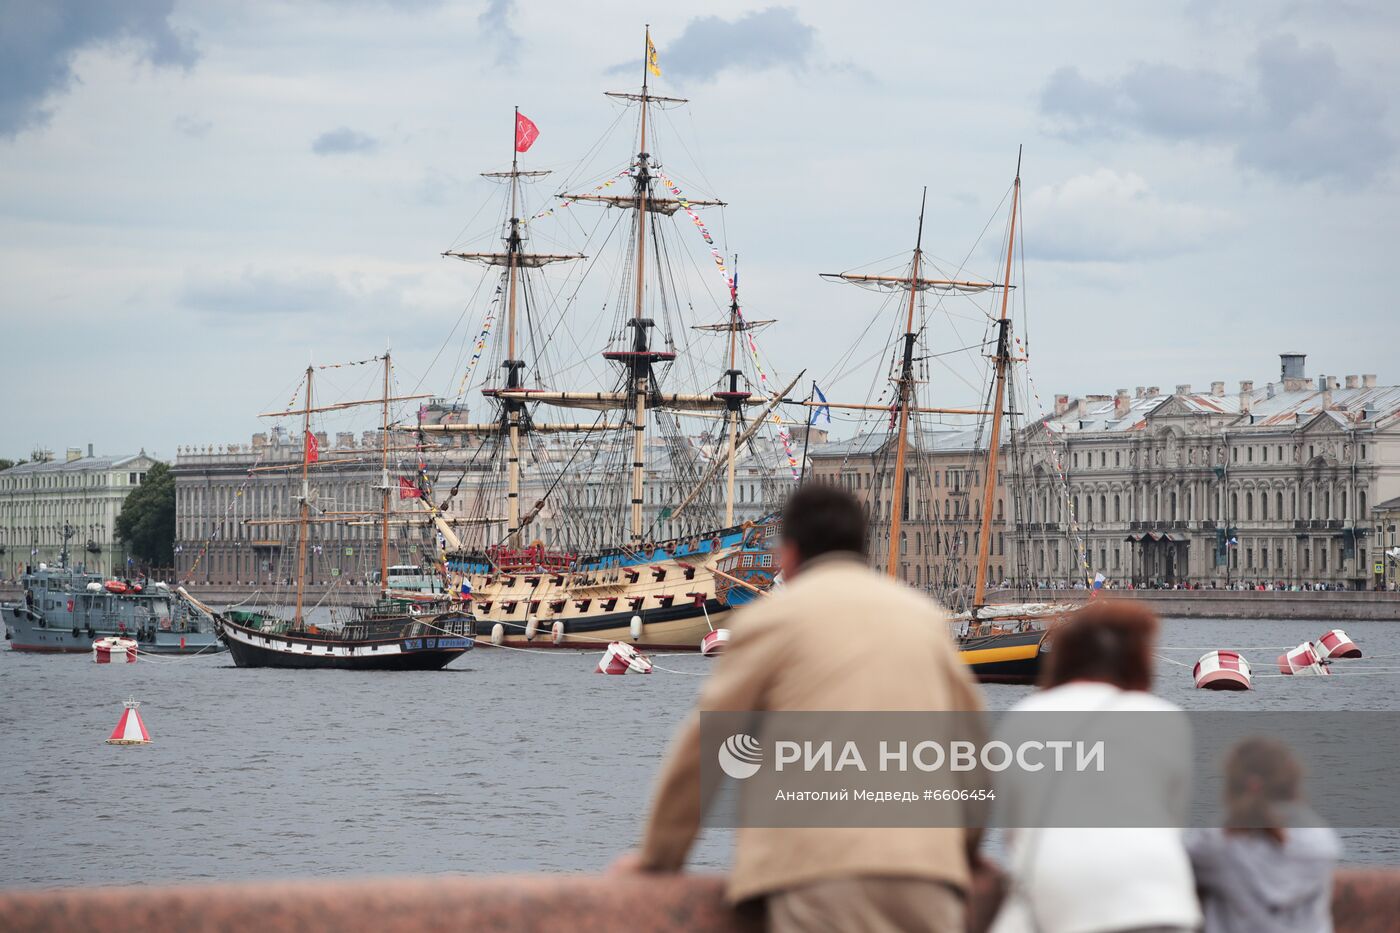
x=1268, y=485
x=237, y=504
x=941, y=515
x=49, y=504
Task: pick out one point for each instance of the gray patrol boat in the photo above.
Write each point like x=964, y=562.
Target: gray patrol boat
x=65, y=610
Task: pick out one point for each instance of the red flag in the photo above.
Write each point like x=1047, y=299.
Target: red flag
x=313, y=450
x=525, y=132
x=407, y=490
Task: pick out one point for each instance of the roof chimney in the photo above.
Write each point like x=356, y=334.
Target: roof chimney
x=1140, y=392
x=74, y=453
x=1291, y=366
x=1322, y=383
x=1122, y=404
x=1333, y=382
x=1217, y=389
x=1183, y=389
x=89, y=450
x=1246, y=395
x=1353, y=382
x=1061, y=405
x=1368, y=380
x=1154, y=391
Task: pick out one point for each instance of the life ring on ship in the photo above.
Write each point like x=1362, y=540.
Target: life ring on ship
x=414, y=611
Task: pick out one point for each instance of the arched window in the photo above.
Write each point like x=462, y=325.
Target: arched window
x=1278, y=506
x=1361, y=505
x=1264, y=505
x=1234, y=506
x=1249, y=506
x=1103, y=508
x=1117, y=508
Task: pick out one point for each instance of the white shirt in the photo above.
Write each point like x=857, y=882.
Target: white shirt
x=1095, y=880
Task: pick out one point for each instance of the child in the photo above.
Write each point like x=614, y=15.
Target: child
x=1266, y=870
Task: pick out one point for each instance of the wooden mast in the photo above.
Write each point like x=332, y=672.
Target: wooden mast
x=305, y=497
x=732, y=411
x=384, y=466
x=513, y=365
x=1002, y=359
x=906, y=386
x=640, y=372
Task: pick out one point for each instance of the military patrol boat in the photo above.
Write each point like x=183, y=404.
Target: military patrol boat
x=65, y=610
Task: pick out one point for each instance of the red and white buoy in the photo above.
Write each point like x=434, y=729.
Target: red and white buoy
x=622, y=658
x=1336, y=644
x=1222, y=670
x=1302, y=660
x=715, y=642
x=130, y=729
x=114, y=648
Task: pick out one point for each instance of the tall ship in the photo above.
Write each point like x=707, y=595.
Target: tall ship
x=400, y=631
x=65, y=610
x=607, y=571
x=1003, y=641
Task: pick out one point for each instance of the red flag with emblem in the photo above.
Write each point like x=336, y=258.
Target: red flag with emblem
x=407, y=490
x=525, y=132
x=313, y=450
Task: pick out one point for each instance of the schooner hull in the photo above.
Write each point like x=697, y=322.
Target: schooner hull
x=251, y=648
x=1011, y=658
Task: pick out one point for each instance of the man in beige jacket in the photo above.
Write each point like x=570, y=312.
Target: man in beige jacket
x=837, y=637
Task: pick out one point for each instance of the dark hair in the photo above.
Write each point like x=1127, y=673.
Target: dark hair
x=819, y=519
x=1109, y=640
x=1259, y=775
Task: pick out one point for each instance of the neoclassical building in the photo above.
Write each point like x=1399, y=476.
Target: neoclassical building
x=1270, y=483
x=47, y=501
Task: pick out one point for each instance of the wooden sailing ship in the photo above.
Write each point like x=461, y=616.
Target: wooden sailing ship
x=1000, y=642
x=619, y=578
x=397, y=632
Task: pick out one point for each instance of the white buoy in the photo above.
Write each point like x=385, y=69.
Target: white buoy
x=1336, y=644
x=1222, y=670
x=1301, y=661
x=532, y=628
x=114, y=648
x=130, y=729
x=622, y=658
x=636, y=628
x=715, y=642
x=498, y=634
x=556, y=631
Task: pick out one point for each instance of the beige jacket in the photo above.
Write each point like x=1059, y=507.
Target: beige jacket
x=838, y=637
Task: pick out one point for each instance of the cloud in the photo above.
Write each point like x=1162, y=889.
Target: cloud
x=495, y=22
x=771, y=38
x=1109, y=216
x=193, y=127
x=39, y=41
x=1298, y=117
x=263, y=292
x=343, y=140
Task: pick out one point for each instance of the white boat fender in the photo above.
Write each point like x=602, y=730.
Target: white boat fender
x=557, y=631
x=636, y=628
x=498, y=634
x=714, y=643
x=532, y=628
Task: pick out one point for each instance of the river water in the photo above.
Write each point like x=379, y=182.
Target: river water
x=506, y=761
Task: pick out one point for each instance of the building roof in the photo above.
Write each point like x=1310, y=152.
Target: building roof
x=81, y=464
x=927, y=441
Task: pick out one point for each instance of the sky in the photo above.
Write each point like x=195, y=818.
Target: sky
x=196, y=198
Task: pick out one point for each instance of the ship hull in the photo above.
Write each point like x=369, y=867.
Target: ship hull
x=25, y=634
x=673, y=629
x=251, y=648
x=1004, y=659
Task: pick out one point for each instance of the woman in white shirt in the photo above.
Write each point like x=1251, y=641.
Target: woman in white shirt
x=1064, y=874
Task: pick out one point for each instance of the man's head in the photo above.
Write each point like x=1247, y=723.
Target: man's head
x=818, y=520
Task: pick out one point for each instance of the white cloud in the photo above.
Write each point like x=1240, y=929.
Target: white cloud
x=1111, y=216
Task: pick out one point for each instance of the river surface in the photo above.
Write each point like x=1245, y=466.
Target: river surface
x=507, y=761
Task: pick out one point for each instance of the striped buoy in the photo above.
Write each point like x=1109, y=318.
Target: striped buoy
x=1222, y=670
x=714, y=642
x=130, y=729
x=1302, y=660
x=622, y=658
x=114, y=648
x=1336, y=644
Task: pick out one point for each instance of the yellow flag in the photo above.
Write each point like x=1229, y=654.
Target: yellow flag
x=652, y=66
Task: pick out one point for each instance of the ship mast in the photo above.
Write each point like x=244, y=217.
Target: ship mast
x=1002, y=359
x=641, y=367
x=384, y=481
x=513, y=366
x=305, y=513
x=905, y=390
